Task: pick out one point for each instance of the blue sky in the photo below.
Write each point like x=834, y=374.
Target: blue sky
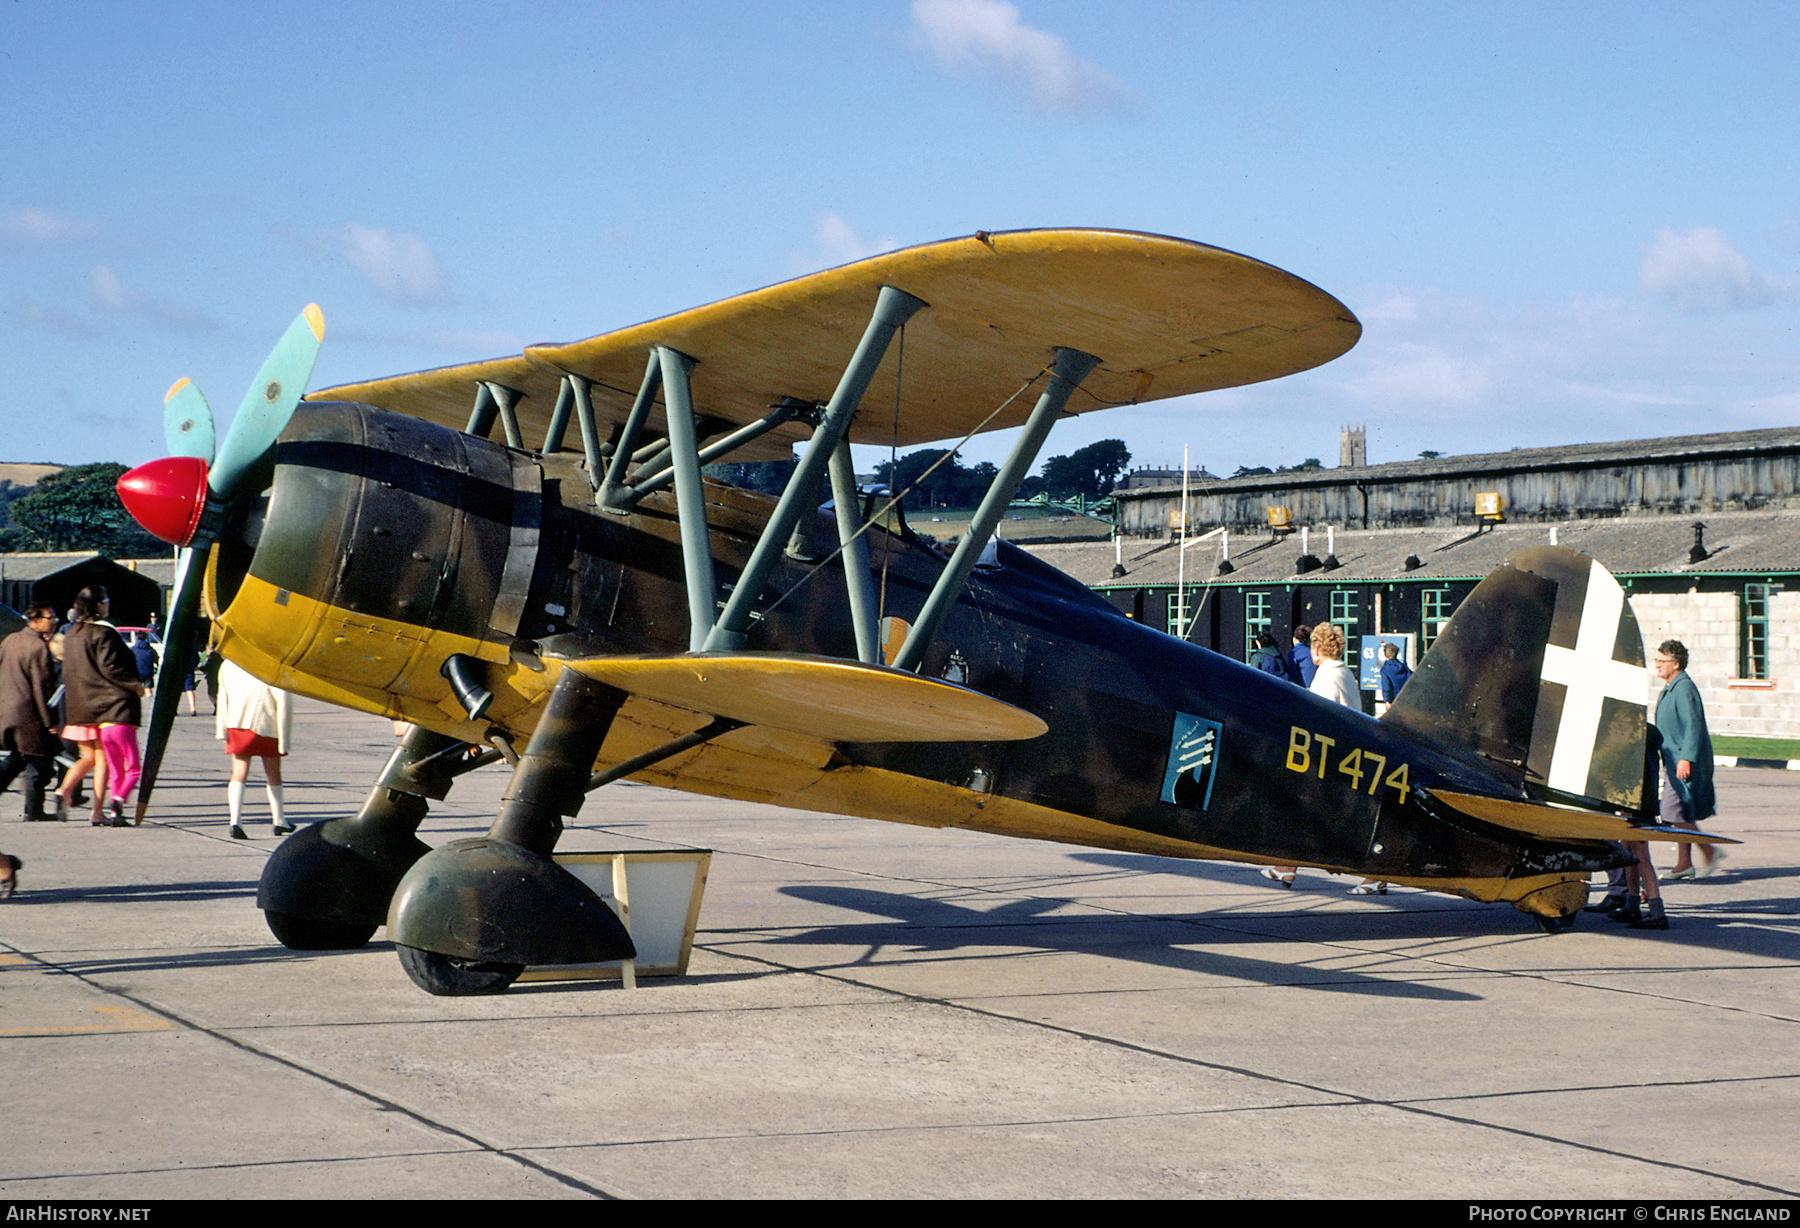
x=1558, y=223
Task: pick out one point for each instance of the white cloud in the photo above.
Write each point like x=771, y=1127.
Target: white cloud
x=1461, y=374
x=1778, y=408
x=835, y=243
x=1699, y=271
x=1424, y=376
x=399, y=266
x=41, y=225
x=986, y=38
x=114, y=297
x=466, y=344
x=109, y=291
x=48, y=318
x=1392, y=307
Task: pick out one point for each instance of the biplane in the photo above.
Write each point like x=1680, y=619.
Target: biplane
x=578, y=598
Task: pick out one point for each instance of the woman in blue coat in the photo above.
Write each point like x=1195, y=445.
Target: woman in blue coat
x=1687, y=756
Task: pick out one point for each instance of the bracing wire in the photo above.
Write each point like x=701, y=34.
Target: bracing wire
x=894, y=501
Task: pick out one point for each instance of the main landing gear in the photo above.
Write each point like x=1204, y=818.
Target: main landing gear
x=469, y=916
x=449, y=976
x=327, y=886
x=311, y=934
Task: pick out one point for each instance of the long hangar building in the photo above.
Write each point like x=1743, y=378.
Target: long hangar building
x=1703, y=531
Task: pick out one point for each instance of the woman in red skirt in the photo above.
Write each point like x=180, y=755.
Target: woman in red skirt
x=256, y=722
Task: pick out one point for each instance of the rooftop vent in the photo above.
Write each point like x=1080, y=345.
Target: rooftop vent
x=1698, y=553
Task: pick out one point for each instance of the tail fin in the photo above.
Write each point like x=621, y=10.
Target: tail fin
x=1542, y=667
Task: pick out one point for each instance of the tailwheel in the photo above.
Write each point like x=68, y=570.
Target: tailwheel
x=307, y=934
x=449, y=976
x=1555, y=925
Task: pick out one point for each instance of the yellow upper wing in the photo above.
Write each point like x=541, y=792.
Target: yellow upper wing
x=1166, y=317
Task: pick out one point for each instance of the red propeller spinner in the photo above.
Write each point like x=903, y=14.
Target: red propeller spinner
x=167, y=496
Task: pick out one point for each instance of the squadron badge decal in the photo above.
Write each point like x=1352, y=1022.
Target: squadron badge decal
x=1193, y=760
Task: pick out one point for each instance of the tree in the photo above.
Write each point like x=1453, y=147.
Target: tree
x=11, y=536
x=1428, y=454
x=1306, y=466
x=1089, y=471
x=78, y=508
x=933, y=477
x=769, y=477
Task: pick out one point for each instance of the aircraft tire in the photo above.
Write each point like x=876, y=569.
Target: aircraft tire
x=448, y=976
x=1555, y=925
x=306, y=934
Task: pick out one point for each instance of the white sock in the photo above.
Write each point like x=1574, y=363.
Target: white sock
x=234, y=796
x=275, y=802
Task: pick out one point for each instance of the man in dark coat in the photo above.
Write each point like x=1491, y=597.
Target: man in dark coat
x=27, y=681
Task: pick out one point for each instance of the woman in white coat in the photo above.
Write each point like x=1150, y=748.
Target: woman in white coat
x=1332, y=679
x=256, y=721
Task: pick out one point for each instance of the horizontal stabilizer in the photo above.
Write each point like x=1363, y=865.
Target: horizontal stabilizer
x=821, y=697
x=1566, y=822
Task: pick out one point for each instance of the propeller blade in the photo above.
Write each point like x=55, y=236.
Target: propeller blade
x=178, y=654
x=188, y=421
x=270, y=402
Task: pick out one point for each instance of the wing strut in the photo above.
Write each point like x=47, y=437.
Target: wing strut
x=893, y=308
x=594, y=459
x=559, y=416
x=787, y=411
x=865, y=618
x=720, y=726
x=1066, y=373
x=495, y=400
x=690, y=495
x=612, y=495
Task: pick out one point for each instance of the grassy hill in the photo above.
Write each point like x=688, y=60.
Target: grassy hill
x=1020, y=525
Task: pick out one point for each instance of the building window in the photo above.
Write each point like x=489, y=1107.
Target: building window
x=1753, y=635
x=1178, y=611
x=1257, y=619
x=1346, y=614
x=1435, y=608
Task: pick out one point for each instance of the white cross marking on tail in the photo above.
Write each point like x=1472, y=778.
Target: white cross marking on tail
x=1591, y=676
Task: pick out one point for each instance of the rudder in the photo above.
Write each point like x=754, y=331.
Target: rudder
x=1542, y=667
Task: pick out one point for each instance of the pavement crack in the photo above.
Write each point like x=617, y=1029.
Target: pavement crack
x=1344, y=1099
x=383, y=1103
